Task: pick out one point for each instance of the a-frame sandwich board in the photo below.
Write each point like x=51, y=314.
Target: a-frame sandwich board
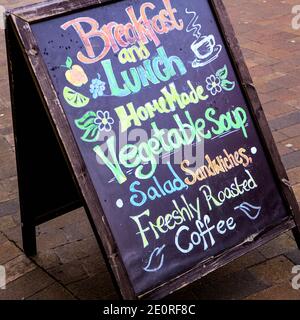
x=44, y=137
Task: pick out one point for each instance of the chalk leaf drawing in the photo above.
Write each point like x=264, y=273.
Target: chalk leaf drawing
x=219, y=82
x=156, y=260
x=88, y=125
x=251, y=211
x=227, y=85
x=222, y=73
x=69, y=63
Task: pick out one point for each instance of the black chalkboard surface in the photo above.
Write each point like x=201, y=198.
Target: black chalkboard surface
x=164, y=133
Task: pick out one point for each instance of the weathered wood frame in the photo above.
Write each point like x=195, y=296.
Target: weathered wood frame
x=21, y=20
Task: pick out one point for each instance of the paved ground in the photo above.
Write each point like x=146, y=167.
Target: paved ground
x=69, y=264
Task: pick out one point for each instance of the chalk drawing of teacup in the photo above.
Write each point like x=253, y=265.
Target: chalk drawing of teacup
x=205, y=50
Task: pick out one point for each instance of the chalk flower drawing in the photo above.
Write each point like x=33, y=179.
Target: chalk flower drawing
x=104, y=121
x=218, y=82
x=213, y=85
x=97, y=87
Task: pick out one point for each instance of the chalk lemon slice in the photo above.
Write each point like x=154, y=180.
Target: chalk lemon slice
x=75, y=99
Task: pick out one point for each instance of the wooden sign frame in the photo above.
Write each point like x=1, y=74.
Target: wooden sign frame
x=19, y=35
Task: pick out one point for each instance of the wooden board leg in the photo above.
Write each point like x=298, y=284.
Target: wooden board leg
x=296, y=234
x=29, y=240
x=46, y=185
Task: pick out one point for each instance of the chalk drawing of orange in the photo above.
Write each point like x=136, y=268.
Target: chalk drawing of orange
x=75, y=74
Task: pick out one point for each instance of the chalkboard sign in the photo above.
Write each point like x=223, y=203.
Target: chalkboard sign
x=163, y=131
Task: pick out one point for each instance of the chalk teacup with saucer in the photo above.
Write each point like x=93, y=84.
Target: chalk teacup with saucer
x=205, y=50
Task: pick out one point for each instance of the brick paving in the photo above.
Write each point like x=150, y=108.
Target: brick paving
x=69, y=264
